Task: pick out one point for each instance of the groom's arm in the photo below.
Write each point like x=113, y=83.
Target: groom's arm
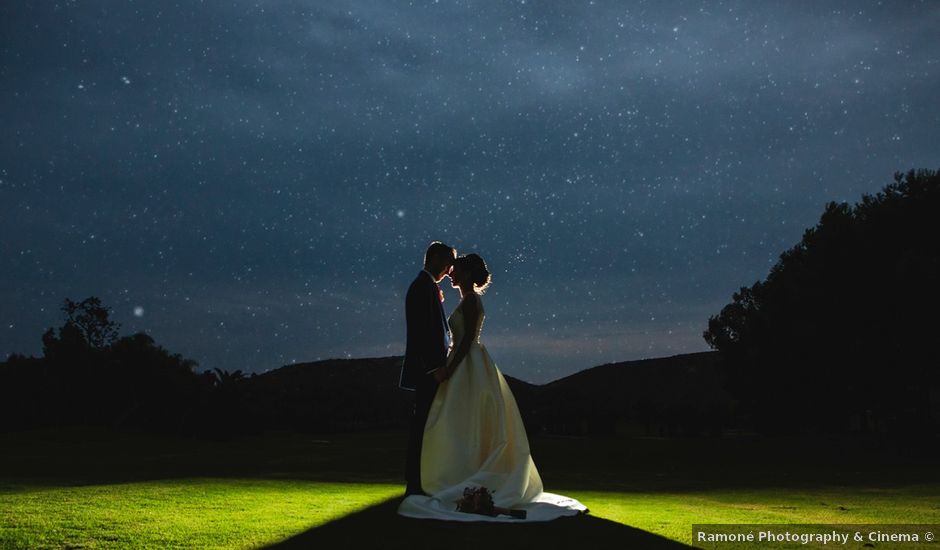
x=417, y=321
x=435, y=326
x=425, y=307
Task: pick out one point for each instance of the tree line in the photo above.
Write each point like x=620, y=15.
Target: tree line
x=89, y=374
x=840, y=334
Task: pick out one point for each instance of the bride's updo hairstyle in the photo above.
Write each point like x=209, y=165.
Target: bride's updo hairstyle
x=476, y=267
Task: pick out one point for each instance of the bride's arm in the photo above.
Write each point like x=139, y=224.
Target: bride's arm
x=471, y=314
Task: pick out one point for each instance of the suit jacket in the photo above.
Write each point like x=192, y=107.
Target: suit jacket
x=427, y=340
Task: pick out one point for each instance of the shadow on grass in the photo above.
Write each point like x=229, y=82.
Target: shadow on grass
x=381, y=526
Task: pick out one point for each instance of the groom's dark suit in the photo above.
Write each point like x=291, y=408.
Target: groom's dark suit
x=425, y=350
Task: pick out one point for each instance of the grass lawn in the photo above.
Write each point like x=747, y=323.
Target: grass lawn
x=87, y=488
x=176, y=513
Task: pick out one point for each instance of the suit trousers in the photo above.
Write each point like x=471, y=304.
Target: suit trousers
x=425, y=389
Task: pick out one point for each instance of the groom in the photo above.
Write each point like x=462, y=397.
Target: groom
x=425, y=349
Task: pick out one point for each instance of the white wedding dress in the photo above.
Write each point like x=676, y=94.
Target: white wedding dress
x=474, y=437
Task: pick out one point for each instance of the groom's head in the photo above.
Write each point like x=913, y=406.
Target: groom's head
x=438, y=259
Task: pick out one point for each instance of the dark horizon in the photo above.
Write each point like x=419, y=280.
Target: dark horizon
x=574, y=373
x=255, y=185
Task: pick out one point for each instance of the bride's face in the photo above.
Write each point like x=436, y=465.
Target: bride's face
x=456, y=275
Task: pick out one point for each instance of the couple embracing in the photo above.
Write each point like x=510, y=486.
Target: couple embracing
x=466, y=433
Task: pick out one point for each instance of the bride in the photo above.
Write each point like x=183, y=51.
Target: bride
x=474, y=436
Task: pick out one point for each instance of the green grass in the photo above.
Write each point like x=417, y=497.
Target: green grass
x=95, y=489
x=176, y=513
x=672, y=514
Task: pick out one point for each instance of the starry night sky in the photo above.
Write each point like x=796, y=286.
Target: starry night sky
x=254, y=183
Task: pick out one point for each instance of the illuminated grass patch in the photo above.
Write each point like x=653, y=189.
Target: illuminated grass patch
x=197, y=513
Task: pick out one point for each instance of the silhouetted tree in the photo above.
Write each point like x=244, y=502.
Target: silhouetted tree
x=843, y=324
x=87, y=326
x=89, y=375
x=148, y=384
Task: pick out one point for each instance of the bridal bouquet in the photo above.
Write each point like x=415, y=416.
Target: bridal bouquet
x=479, y=500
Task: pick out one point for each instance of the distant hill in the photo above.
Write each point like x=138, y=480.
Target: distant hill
x=670, y=395
x=676, y=395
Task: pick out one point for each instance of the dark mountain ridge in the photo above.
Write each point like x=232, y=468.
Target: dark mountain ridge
x=662, y=396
